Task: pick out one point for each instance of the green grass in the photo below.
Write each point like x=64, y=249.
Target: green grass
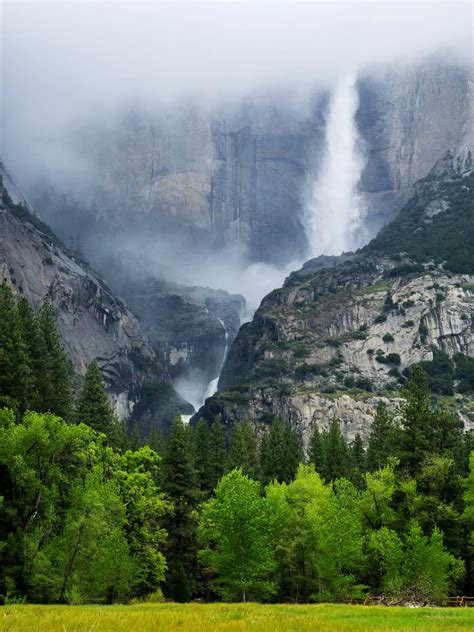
x=232, y=617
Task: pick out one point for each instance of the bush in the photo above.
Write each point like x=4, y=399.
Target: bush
x=388, y=338
x=381, y=318
x=440, y=373
x=464, y=373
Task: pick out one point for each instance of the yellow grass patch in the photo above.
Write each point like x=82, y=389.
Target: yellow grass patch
x=232, y=618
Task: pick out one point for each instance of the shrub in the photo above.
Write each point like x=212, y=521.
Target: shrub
x=381, y=318
x=388, y=338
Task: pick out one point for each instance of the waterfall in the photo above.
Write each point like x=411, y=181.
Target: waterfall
x=191, y=390
x=212, y=387
x=335, y=209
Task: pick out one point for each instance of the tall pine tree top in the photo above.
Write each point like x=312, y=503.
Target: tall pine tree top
x=93, y=407
x=57, y=379
x=15, y=374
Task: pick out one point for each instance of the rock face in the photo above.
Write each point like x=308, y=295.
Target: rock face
x=343, y=331
x=408, y=120
x=190, y=327
x=92, y=320
x=240, y=176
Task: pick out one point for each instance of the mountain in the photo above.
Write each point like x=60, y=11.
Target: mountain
x=208, y=178
x=94, y=322
x=343, y=332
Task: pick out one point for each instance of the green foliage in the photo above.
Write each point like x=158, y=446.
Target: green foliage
x=15, y=374
x=234, y=532
x=318, y=539
x=56, y=395
x=444, y=238
x=180, y=483
x=464, y=373
x=280, y=453
x=425, y=430
x=243, y=453
x=381, y=439
x=336, y=462
x=211, y=454
x=80, y=523
x=93, y=407
x=440, y=373
x=418, y=568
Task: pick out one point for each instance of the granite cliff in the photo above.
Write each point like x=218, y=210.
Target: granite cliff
x=239, y=175
x=343, y=332
x=94, y=322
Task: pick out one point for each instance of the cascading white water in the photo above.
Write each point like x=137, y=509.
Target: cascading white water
x=190, y=390
x=212, y=388
x=335, y=210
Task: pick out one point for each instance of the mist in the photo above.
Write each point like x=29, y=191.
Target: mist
x=75, y=62
x=75, y=66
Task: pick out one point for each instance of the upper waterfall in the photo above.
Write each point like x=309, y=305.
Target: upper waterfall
x=335, y=209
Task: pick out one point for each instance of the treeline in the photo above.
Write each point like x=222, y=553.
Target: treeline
x=88, y=515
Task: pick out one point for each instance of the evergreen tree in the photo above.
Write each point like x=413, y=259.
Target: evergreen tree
x=93, y=407
x=155, y=441
x=180, y=483
x=15, y=374
x=381, y=439
x=280, y=453
x=425, y=430
x=316, y=454
x=35, y=352
x=211, y=453
x=202, y=454
x=218, y=452
x=243, y=451
x=357, y=456
x=134, y=440
x=56, y=388
x=337, y=461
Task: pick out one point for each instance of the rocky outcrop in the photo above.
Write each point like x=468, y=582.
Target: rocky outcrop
x=93, y=321
x=344, y=331
x=191, y=327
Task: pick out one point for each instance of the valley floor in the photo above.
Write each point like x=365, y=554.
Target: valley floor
x=232, y=617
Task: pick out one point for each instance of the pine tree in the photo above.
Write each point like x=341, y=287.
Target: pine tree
x=15, y=374
x=155, y=441
x=243, y=451
x=134, y=441
x=180, y=483
x=202, y=455
x=35, y=352
x=316, y=454
x=357, y=457
x=280, y=453
x=381, y=439
x=416, y=440
x=93, y=407
x=211, y=452
x=56, y=388
x=337, y=461
x=217, y=452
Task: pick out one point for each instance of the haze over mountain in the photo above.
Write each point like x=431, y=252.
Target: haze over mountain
x=221, y=146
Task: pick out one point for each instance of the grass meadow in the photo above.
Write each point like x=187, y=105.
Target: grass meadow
x=232, y=618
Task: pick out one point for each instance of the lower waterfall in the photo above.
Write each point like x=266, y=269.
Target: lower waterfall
x=212, y=386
